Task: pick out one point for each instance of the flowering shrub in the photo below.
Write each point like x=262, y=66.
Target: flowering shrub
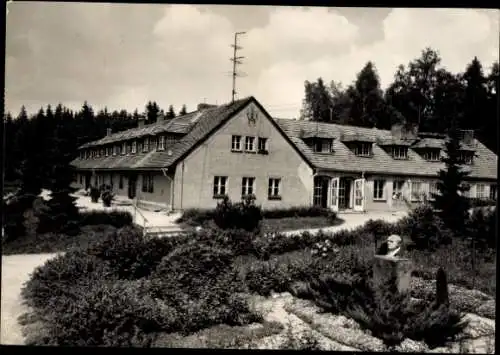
x=323, y=248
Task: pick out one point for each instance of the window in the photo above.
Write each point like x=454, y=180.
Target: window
x=220, y=186
x=493, y=192
x=323, y=146
x=97, y=153
x=433, y=189
x=139, y=146
x=120, y=182
x=152, y=144
x=124, y=148
x=400, y=152
x=81, y=179
x=107, y=151
x=432, y=155
x=416, y=191
x=363, y=150
x=249, y=144
x=247, y=186
x=147, y=183
x=481, y=191
x=466, y=157
x=169, y=140
x=378, y=189
x=262, y=145
x=115, y=149
x=397, y=188
x=145, y=148
x=102, y=152
x=161, y=142
x=236, y=143
x=273, y=192
x=134, y=147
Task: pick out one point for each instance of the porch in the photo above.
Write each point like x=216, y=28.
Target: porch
x=345, y=193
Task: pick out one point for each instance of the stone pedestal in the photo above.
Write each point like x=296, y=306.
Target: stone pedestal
x=385, y=268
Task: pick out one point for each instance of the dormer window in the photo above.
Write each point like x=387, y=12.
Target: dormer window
x=124, y=148
x=466, y=157
x=139, y=146
x=363, y=149
x=145, y=147
x=134, y=147
x=399, y=152
x=102, y=152
x=115, y=149
x=322, y=145
x=432, y=155
x=161, y=143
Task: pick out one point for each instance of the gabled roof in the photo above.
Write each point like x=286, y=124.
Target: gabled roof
x=485, y=162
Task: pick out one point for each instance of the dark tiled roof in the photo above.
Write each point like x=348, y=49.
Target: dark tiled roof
x=180, y=125
x=394, y=142
x=343, y=159
x=200, y=123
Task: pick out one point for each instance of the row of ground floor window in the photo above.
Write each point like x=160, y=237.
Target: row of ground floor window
x=344, y=192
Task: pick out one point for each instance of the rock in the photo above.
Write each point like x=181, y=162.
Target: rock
x=477, y=327
x=487, y=309
x=411, y=346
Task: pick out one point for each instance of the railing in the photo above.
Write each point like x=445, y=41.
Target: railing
x=145, y=220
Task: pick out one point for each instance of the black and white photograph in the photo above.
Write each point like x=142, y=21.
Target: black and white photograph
x=250, y=177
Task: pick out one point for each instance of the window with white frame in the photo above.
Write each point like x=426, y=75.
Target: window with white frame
x=124, y=148
x=273, y=192
x=399, y=152
x=247, y=186
x=236, y=143
x=323, y=146
x=481, y=191
x=249, y=144
x=145, y=147
x=107, y=152
x=417, y=191
x=161, y=142
x=262, y=144
x=152, y=143
x=220, y=186
x=432, y=155
x=433, y=189
x=363, y=149
x=397, y=189
x=115, y=149
x=378, y=189
x=102, y=152
x=493, y=192
x=134, y=147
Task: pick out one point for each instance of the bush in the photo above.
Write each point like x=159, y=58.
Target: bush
x=304, y=211
x=117, y=219
x=426, y=229
x=243, y=215
x=107, y=197
x=441, y=288
x=107, y=314
x=95, y=193
x=196, y=217
x=478, y=202
x=481, y=226
x=13, y=210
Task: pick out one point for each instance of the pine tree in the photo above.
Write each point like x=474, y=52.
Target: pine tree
x=170, y=113
x=450, y=202
x=63, y=210
x=183, y=110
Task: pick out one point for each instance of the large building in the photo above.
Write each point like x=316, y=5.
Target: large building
x=238, y=149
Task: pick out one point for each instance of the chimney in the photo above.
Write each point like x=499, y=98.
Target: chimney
x=397, y=131
x=108, y=132
x=204, y=106
x=467, y=136
x=141, y=121
x=404, y=131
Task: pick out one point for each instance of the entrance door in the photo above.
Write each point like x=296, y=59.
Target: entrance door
x=132, y=186
x=335, y=194
x=359, y=194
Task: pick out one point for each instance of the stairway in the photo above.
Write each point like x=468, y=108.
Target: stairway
x=163, y=231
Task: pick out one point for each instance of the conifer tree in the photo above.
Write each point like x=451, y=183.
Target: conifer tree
x=170, y=113
x=183, y=110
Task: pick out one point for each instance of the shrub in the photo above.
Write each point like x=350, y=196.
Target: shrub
x=107, y=197
x=95, y=193
x=481, y=226
x=243, y=215
x=14, y=215
x=239, y=241
x=426, y=229
x=441, y=288
x=196, y=217
x=57, y=276
x=110, y=314
x=479, y=202
x=300, y=211
x=117, y=219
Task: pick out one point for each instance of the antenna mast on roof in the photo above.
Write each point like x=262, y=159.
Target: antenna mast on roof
x=236, y=60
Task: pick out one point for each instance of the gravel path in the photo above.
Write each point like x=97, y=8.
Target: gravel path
x=16, y=270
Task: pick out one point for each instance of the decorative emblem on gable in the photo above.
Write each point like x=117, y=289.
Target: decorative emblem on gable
x=252, y=115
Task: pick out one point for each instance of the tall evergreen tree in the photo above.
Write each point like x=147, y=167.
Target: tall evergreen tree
x=152, y=112
x=63, y=210
x=318, y=101
x=183, y=110
x=170, y=113
x=450, y=202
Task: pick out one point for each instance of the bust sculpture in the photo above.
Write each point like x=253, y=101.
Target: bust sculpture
x=392, y=247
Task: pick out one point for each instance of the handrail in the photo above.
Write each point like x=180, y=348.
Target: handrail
x=145, y=220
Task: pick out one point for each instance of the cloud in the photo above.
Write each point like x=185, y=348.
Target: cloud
x=123, y=55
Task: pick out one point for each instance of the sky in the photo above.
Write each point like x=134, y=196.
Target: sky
x=121, y=56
